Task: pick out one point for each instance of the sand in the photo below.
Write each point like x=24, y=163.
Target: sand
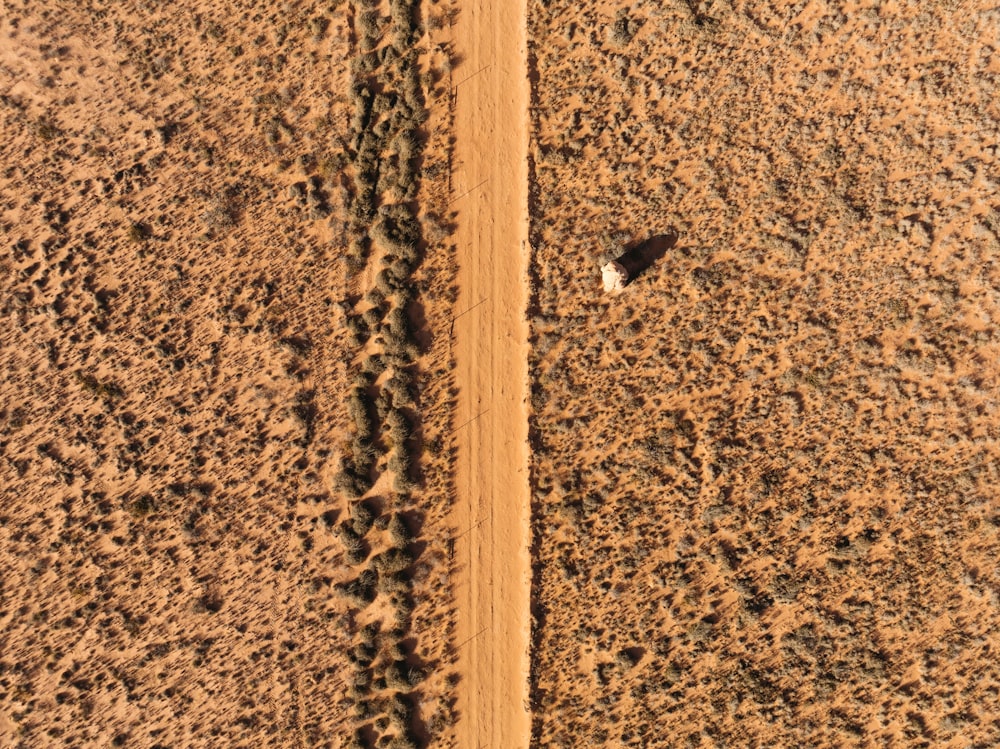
x=175, y=369
x=173, y=376
x=490, y=185
x=760, y=492
x=765, y=472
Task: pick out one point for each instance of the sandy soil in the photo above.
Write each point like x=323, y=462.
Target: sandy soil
x=176, y=362
x=763, y=478
x=173, y=368
x=766, y=473
x=490, y=185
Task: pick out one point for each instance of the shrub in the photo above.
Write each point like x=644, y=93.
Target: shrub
x=138, y=233
x=364, y=710
x=331, y=165
x=405, y=297
x=396, y=329
x=386, y=282
x=402, y=482
x=358, y=329
x=318, y=27
x=395, y=676
x=399, y=323
x=623, y=29
x=405, y=261
x=369, y=634
x=398, y=650
x=361, y=210
x=357, y=251
x=362, y=654
x=393, y=583
x=348, y=482
x=362, y=518
x=47, y=130
x=388, y=182
x=400, y=461
x=363, y=380
x=413, y=94
x=367, y=161
x=400, y=675
x=142, y=506
x=361, y=590
x=399, y=425
x=405, y=146
x=361, y=680
x=403, y=615
x=438, y=228
x=401, y=387
x=368, y=29
x=627, y=659
x=356, y=741
x=398, y=271
x=401, y=12
x=397, y=226
x=359, y=406
x=223, y=215
x=399, y=532
x=363, y=454
x=373, y=316
x=382, y=103
x=402, y=188
x=392, y=561
x=388, y=57
x=383, y=404
x=109, y=392
x=402, y=741
x=400, y=710
x=373, y=365
x=613, y=245
x=355, y=549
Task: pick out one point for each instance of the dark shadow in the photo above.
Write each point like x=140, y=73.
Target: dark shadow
x=416, y=549
x=421, y=330
x=634, y=655
x=418, y=731
x=367, y=734
x=639, y=258
x=533, y=76
x=414, y=521
x=375, y=504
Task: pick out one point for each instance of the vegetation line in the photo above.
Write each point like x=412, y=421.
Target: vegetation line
x=380, y=464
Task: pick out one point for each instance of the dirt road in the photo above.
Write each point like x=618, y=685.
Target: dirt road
x=490, y=177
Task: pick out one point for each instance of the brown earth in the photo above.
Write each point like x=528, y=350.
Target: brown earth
x=176, y=362
x=765, y=473
x=762, y=477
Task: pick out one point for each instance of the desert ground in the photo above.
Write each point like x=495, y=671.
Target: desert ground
x=224, y=431
x=317, y=428
x=765, y=474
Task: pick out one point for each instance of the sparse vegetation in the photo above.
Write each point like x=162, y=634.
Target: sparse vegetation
x=206, y=400
x=747, y=463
